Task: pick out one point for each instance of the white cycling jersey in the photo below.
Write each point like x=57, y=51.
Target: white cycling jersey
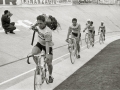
x=75, y=28
x=45, y=35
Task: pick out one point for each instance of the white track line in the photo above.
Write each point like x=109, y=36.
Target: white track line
x=34, y=68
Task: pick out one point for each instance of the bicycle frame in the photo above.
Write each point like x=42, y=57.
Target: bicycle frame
x=40, y=71
x=88, y=39
x=101, y=39
x=72, y=49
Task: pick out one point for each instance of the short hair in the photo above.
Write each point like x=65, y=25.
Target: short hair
x=74, y=19
x=41, y=17
x=91, y=22
x=6, y=11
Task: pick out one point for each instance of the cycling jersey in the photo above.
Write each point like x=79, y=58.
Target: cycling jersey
x=102, y=28
x=91, y=29
x=45, y=35
x=75, y=28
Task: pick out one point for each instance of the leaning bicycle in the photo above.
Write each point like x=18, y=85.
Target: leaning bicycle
x=41, y=71
x=72, y=47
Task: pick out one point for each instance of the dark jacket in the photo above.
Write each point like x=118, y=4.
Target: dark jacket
x=5, y=21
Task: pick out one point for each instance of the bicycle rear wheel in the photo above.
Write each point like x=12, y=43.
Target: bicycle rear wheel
x=73, y=53
x=87, y=40
x=38, y=79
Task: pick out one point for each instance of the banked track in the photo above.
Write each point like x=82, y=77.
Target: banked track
x=17, y=46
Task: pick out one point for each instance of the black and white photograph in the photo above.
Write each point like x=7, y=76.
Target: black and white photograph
x=60, y=45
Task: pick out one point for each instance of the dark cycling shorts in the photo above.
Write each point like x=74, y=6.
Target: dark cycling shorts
x=41, y=47
x=93, y=32
x=75, y=34
x=90, y=31
x=102, y=30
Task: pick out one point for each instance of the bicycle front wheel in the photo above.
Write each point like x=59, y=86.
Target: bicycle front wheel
x=38, y=79
x=87, y=40
x=101, y=39
x=46, y=73
x=73, y=53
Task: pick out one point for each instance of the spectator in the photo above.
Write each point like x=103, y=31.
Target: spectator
x=6, y=24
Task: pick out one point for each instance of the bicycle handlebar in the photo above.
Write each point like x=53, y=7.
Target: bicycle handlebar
x=28, y=60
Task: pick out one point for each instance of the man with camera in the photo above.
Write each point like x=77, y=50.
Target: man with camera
x=6, y=24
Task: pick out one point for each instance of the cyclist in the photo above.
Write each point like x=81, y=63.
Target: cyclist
x=74, y=31
x=88, y=22
x=44, y=43
x=91, y=30
x=102, y=29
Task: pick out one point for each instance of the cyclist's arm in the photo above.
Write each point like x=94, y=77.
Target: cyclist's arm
x=48, y=38
x=47, y=47
x=86, y=27
x=79, y=29
x=93, y=30
x=105, y=30
x=34, y=26
x=69, y=31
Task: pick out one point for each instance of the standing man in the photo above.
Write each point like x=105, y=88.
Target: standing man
x=6, y=24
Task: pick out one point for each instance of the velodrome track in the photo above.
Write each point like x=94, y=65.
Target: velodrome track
x=14, y=47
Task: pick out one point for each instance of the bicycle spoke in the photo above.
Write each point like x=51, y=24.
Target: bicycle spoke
x=37, y=80
x=72, y=54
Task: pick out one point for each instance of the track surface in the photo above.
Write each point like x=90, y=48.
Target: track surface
x=14, y=47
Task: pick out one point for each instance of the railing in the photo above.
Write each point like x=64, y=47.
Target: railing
x=49, y=2
x=33, y=2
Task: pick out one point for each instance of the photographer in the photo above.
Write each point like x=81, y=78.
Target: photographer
x=6, y=24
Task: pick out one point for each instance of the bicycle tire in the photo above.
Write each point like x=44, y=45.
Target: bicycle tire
x=73, y=53
x=101, y=39
x=87, y=40
x=69, y=44
x=46, y=74
x=37, y=80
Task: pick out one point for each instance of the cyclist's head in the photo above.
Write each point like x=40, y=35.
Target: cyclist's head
x=102, y=22
x=91, y=23
x=88, y=21
x=41, y=21
x=74, y=21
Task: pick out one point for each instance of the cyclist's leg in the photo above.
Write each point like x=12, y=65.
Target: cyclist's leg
x=93, y=36
x=36, y=50
x=49, y=63
x=104, y=34
x=90, y=36
x=78, y=48
x=77, y=45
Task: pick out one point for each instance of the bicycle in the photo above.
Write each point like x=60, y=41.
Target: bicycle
x=72, y=47
x=101, y=37
x=89, y=40
x=41, y=71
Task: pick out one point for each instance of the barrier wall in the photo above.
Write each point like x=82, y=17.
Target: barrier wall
x=33, y=2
